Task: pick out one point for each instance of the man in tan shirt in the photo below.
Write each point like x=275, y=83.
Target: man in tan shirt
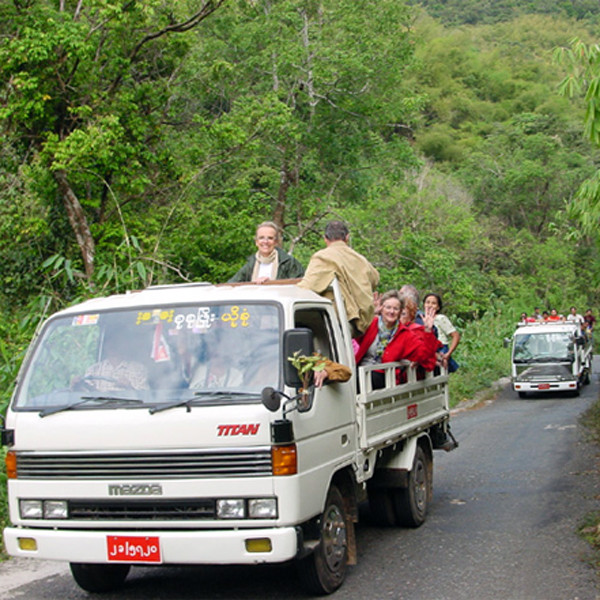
x=357, y=276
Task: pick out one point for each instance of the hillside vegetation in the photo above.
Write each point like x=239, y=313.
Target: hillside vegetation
x=142, y=143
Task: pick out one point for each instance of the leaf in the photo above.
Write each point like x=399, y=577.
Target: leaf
x=141, y=269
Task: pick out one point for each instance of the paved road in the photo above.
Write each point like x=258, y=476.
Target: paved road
x=502, y=525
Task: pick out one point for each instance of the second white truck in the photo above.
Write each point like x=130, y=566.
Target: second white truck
x=550, y=357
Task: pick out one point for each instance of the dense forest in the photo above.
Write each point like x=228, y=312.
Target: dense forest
x=477, y=12
x=143, y=142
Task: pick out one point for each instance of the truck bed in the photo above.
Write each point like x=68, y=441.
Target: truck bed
x=388, y=415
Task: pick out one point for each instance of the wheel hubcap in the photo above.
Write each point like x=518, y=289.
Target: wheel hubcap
x=334, y=537
x=420, y=487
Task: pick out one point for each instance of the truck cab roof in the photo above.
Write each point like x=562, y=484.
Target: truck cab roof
x=548, y=327
x=183, y=293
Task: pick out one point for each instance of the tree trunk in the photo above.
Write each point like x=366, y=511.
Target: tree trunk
x=78, y=222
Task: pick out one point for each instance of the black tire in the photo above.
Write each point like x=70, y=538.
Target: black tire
x=324, y=570
x=586, y=377
x=99, y=578
x=411, y=503
x=522, y=394
x=381, y=506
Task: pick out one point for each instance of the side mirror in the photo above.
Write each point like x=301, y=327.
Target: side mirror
x=506, y=342
x=294, y=340
x=271, y=399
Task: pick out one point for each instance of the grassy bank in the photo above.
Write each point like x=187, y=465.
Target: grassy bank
x=481, y=355
x=590, y=528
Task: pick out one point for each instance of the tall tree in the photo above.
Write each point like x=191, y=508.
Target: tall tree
x=293, y=109
x=583, y=78
x=82, y=95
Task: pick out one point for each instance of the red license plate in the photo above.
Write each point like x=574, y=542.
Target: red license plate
x=412, y=411
x=122, y=548
x=544, y=386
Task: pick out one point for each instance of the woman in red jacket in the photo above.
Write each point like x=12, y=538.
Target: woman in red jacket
x=388, y=339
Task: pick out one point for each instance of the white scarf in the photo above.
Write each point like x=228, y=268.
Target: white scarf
x=272, y=259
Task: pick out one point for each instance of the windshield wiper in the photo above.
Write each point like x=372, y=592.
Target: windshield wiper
x=187, y=402
x=85, y=399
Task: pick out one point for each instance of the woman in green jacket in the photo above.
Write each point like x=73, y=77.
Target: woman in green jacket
x=270, y=261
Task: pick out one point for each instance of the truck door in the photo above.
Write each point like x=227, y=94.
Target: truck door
x=330, y=421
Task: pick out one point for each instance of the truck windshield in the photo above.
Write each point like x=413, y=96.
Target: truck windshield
x=152, y=357
x=540, y=347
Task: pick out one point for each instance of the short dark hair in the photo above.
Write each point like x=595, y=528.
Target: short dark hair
x=437, y=297
x=336, y=230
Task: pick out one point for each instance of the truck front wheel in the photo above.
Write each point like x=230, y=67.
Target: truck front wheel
x=323, y=571
x=411, y=503
x=99, y=578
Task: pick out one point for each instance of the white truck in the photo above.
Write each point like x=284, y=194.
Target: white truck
x=553, y=356
x=122, y=448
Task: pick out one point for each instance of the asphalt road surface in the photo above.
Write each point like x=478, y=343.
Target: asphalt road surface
x=503, y=525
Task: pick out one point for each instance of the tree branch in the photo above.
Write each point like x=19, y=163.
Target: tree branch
x=207, y=9
x=78, y=222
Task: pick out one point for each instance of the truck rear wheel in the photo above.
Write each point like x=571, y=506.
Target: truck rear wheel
x=323, y=571
x=411, y=503
x=585, y=379
x=99, y=578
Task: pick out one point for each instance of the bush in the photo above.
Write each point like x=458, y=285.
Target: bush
x=481, y=355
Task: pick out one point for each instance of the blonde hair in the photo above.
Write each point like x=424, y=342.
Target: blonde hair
x=391, y=294
x=272, y=225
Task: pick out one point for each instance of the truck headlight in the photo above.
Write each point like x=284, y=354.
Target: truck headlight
x=55, y=509
x=262, y=508
x=31, y=509
x=44, y=509
x=231, y=508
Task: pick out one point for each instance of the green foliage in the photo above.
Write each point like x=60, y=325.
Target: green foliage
x=14, y=339
x=525, y=170
x=306, y=365
x=456, y=12
x=583, y=63
x=84, y=93
x=481, y=355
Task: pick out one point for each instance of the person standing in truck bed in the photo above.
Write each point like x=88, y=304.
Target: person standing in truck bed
x=270, y=261
x=358, y=278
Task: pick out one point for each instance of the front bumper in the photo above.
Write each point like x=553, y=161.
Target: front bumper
x=176, y=547
x=545, y=386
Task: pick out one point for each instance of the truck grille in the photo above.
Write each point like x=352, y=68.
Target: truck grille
x=151, y=465
x=150, y=510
